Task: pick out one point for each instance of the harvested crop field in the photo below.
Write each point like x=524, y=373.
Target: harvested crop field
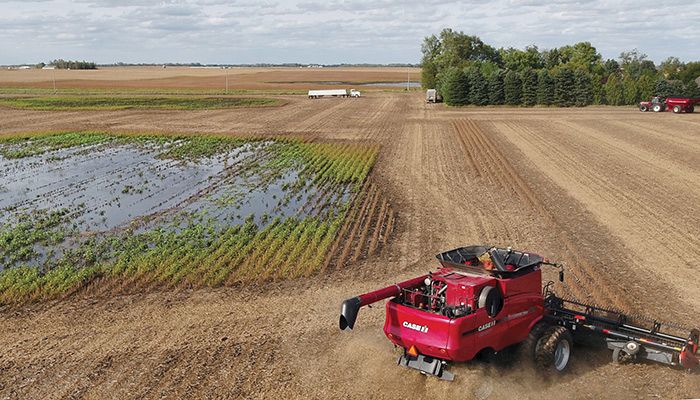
x=610, y=192
x=48, y=103
x=153, y=78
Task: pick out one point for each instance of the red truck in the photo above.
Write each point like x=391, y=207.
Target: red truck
x=676, y=104
x=485, y=299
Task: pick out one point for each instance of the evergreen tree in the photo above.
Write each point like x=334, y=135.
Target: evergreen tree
x=512, y=87
x=495, y=88
x=529, y=92
x=478, y=89
x=693, y=89
x=598, y=90
x=455, y=87
x=545, y=88
x=564, y=86
x=677, y=89
x=614, y=91
x=645, y=87
x=630, y=90
x=583, y=92
x=662, y=88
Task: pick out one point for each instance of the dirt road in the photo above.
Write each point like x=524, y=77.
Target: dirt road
x=610, y=192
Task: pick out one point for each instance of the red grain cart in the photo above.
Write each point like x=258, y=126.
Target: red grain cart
x=675, y=104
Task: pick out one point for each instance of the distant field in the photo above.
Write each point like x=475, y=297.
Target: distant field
x=144, y=78
x=139, y=102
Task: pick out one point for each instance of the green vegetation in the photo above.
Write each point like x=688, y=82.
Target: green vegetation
x=512, y=88
x=529, y=85
x=69, y=64
x=573, y=75
x=545, y=88
x=27, y=146
x=192, y=251
x=148, y=91
x=17, y=241
x=564, y=87
x=138, y=102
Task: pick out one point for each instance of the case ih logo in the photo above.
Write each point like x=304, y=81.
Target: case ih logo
x=415, y=327
x=486, y=326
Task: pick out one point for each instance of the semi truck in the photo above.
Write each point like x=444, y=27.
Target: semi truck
x=317, y=94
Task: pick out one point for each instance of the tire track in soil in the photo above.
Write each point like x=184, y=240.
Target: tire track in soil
x=320, y=119
x=619, y=194
x=365, y=227
x=664, y=133
x=589, y=187
x=502, y=174
x=663, y=146
x=673, y=174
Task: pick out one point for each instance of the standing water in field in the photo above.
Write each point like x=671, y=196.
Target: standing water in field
x=85, y=202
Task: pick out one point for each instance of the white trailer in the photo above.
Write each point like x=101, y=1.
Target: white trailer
x=315, y=94
x=432, y=96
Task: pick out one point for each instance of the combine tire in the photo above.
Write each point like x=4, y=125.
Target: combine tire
x=643, y=108
x=529, y=346
x=621, y=357
x=677, y=109
x=553, y=349
x=527, y=350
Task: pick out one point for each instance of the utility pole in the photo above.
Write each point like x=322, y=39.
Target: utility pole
x=54, y=80
x=226, y=68
x=408, y=80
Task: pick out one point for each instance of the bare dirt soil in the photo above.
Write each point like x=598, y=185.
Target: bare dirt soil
x=611, y=192
x=203, y=78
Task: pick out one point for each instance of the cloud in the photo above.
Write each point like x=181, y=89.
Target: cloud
x=383, y=31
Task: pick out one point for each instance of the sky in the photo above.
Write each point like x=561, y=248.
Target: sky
x=332, y=31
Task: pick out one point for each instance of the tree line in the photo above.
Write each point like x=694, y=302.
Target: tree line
x=465, y=70
x=68, y=64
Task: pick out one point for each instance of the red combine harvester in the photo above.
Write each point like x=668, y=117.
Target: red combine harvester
x=485, y=299
x=677, y=104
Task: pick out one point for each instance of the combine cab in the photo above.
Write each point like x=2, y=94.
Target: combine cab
x=675, y=104
x=485, y=299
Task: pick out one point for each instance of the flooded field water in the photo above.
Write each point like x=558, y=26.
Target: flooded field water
x=55, y=199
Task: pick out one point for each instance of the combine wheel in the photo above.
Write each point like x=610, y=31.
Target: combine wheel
x=626, y=354
x=643, y=108
x=553, y=349
x=528, y=347
x=676, y=109
x=621, y=357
